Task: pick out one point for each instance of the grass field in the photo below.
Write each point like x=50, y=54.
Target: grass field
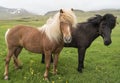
x=102, y=64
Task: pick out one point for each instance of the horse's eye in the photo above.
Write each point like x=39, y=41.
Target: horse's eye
x=104, y=24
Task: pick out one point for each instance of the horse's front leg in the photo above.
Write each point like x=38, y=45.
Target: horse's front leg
x=47, y=62
x=43, y=58
x=81, y=55
x=56, y=56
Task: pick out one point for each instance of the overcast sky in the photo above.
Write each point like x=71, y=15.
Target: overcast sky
x=43, y=6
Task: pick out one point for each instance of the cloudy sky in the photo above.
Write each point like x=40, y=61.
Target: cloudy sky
x=42, y=6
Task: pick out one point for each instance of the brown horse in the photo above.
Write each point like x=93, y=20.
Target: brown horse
x=48, y=39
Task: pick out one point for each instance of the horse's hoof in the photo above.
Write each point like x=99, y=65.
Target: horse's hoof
x=46, y=79
x=83, y=67
x=79, y=70
x=6, y=78
x=55, y=72
x=19, y=67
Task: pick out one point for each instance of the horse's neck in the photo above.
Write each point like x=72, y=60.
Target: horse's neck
x=52, y=30
x=88, y=31
x=92, y=33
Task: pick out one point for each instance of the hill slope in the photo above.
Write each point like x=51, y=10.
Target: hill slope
x=11, y=13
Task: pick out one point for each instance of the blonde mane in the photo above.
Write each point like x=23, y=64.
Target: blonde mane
x=52, y=26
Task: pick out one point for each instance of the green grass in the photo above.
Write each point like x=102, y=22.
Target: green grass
x=102, y=64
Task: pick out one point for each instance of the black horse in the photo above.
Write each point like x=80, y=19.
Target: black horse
x=87, y=32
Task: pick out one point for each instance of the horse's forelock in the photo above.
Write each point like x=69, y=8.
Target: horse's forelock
x=110, y=19
x=68, y=15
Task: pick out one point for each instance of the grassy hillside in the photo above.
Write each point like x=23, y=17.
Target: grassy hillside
x=101, y=63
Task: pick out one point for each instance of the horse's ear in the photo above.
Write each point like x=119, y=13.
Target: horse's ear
x=72, y=9
x=61, y=11
x=97, y=15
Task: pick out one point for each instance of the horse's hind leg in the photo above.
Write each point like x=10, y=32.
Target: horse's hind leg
x=43, y=58
x=15, y=57
x=7, y=60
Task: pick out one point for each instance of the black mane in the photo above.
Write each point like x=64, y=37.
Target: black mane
x=95, y=20
x=109, y=19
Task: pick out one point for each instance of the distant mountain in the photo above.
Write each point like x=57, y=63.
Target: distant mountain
x=86, y=14
x=11, y=13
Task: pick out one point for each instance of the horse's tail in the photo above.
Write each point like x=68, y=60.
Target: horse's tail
x=6, y=36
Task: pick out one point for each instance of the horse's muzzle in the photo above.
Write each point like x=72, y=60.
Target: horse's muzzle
x=107, y=42
x=67, y=39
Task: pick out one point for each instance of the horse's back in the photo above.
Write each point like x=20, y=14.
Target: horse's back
x=16, y=34
x=22, y=29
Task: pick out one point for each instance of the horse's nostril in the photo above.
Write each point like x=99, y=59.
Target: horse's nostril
x=67, y=39
x=70, y=38
x=107, y=43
